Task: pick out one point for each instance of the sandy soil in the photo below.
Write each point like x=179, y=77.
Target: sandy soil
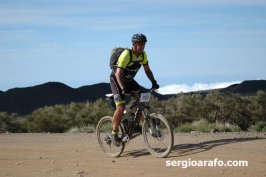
x=78, y=155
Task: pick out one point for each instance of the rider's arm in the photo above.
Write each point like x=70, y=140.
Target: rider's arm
x=149, y=72
x=118, y=74
x=123, y=61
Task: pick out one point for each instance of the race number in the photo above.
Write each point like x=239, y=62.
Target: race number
x=145, y=97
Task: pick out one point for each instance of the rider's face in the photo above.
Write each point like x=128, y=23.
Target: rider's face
x=139, y=47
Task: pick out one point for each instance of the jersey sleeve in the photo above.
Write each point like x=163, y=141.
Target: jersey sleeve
x=123, y=59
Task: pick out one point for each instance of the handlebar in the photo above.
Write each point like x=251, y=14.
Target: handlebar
x=151, y=90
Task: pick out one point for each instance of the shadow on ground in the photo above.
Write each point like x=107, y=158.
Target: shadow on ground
x=188, y=149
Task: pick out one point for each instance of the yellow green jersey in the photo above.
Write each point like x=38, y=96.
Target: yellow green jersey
x=131, y=63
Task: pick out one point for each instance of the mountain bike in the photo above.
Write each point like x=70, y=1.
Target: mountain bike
x=156, y=131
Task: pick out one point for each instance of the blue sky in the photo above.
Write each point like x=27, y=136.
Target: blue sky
x=192, y=44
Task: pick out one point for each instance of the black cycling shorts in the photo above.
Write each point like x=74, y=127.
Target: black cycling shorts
x=119, y=97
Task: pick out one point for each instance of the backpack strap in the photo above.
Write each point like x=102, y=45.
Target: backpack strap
x=142, y=56
x=130, y=53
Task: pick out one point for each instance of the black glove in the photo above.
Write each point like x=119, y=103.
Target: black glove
x=155, y=85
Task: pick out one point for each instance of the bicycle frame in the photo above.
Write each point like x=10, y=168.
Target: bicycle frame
x=141, y=107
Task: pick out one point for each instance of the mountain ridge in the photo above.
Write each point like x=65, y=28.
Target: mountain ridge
x=25, y=100
x=246, y=88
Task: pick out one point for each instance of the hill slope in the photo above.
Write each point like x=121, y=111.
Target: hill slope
x=24, y=100
x=246, y=88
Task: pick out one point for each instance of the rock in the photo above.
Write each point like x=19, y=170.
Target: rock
x=80, y=172
x=215, y=130
x=19, y=163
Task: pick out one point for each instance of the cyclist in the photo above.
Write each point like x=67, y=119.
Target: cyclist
x=122, y=79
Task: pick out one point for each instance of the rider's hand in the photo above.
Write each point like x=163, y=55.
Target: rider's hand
x=155, y=85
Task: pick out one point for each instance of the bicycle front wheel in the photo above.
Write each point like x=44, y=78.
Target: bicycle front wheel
x=103, y=128
x=158, y=135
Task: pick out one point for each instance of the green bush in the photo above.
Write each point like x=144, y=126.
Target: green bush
x=83, y=129
x=185, y=112
x=186, y=127
x=204, y=126
x=227, y=127
x=259, y=126
x=11, y=123
x=61, y=118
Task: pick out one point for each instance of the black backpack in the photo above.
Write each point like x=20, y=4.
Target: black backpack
x=116, y=52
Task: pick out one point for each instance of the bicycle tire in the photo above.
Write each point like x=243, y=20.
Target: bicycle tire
x=108, y=148
x=155, y=151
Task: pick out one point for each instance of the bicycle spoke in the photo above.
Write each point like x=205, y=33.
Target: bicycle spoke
x=103, y=128
x=158, y=136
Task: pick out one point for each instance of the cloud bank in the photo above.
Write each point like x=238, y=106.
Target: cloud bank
x=179, y=88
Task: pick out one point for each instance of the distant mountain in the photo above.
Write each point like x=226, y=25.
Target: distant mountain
x=24, y=100
x=247, y=88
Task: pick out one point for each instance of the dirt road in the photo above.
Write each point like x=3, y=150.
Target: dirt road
x=78, y=155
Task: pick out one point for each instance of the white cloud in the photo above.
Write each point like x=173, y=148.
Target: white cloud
x=179, y=88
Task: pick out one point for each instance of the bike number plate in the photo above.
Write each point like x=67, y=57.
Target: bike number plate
x=145, y=97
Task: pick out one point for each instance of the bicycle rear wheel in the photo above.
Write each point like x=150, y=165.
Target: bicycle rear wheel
x=103, y=128
x=158, y=135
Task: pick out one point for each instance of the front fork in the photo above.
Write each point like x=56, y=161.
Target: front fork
x=154, y=127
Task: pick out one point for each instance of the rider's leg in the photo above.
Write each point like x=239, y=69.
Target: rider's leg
x=115, y=124
x=119, y=99
x=118, y=116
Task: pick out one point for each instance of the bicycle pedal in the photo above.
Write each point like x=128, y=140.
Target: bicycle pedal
x=125, y=139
